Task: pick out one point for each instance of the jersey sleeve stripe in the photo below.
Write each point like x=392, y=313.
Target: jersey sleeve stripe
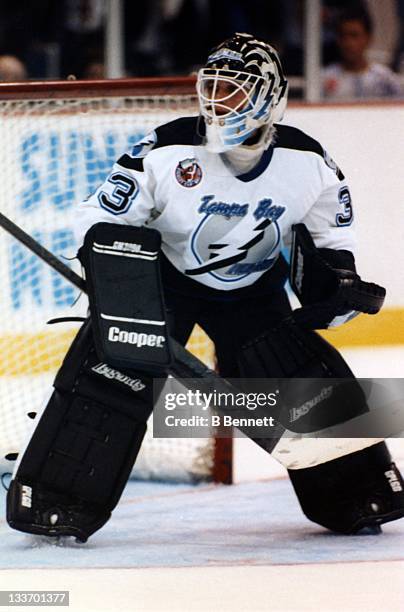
x=131, y=163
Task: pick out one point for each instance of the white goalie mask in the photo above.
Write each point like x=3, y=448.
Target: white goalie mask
x=240, y=89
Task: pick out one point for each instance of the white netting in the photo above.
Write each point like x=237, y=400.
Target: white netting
x=53, y=153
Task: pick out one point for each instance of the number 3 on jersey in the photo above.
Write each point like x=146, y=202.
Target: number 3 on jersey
x=118, y=194
x=346, y=217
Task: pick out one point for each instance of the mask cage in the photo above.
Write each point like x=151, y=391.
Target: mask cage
x=224, y=94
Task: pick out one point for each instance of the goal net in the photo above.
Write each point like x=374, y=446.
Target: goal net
x=59, y=141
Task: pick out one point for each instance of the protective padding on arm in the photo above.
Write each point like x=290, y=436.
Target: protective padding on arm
x=78, y=460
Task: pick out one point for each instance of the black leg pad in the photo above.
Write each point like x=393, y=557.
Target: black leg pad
x=79, y=458
x=357, y=492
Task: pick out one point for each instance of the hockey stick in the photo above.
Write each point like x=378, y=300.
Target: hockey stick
x=185, y=366
x=41, y=252
x=314, y=450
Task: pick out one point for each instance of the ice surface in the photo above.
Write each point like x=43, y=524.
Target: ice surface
x=158, y=525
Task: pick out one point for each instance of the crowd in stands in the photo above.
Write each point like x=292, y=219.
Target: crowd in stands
x=57, y=38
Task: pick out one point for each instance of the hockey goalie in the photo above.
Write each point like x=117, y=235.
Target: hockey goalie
x=189, y=227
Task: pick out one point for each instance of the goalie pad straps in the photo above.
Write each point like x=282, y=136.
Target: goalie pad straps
x=323, y=391
x=326, y=283
x=81, y=453
x=125, y=293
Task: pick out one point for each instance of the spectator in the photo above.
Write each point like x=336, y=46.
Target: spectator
x=355, y=77
x=12, y=69
x=82, y=34
x=148, y=50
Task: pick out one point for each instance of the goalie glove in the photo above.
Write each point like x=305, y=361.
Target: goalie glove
x=327, y=285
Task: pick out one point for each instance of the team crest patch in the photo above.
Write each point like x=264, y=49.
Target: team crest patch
x=188, y=173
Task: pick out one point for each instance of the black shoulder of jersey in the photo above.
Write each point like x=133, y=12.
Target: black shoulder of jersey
x=182, y=131
x=288, y=137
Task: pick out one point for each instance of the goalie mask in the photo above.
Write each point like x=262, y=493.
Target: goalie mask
x=240, y=89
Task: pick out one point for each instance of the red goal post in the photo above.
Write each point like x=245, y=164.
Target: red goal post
x=59, y=140
x=120, y=88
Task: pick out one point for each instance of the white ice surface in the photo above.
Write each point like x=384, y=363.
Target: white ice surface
x=245, y=547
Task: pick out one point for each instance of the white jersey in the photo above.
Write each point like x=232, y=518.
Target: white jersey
x=221, y=230
x=377, y=81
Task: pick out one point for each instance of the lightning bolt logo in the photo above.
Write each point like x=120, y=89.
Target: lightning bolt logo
x=226, y=254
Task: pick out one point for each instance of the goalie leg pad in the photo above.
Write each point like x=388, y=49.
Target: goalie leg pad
x=308, y=402
x=353, y=493
x=79, y=458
